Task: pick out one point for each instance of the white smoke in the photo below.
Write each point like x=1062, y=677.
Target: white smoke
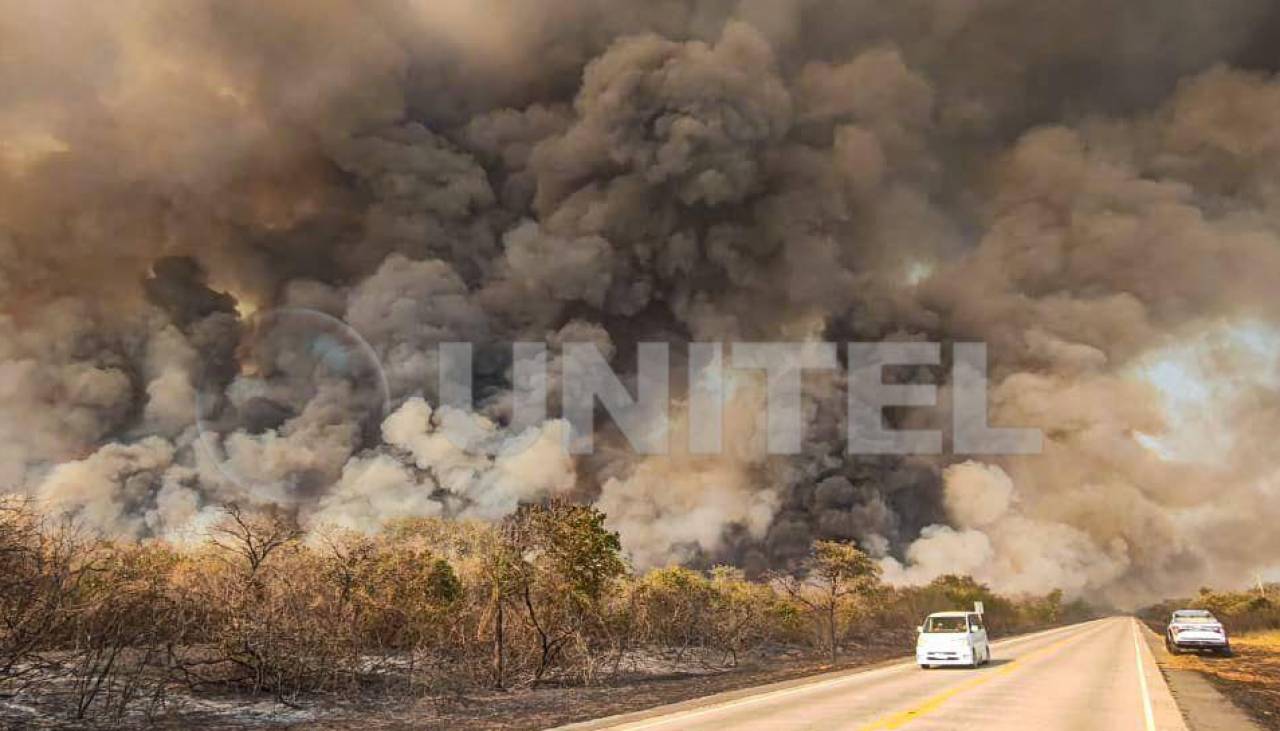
x=1083, y=196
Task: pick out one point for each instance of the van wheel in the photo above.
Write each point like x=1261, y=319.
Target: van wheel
x=924, y=666
x=1226, y=651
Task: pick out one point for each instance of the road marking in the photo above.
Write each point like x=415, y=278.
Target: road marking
x=808, y=687
x=1148, y=714
x=932, y=703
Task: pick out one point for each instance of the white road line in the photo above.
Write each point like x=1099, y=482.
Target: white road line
x=1142, y=681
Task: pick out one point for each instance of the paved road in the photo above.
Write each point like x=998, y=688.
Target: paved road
x=1096, y=676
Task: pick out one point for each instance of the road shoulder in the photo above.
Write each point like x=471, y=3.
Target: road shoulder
x=1203, y=707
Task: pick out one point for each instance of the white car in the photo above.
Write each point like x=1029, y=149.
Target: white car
x=1196, y=629
x=952, y=638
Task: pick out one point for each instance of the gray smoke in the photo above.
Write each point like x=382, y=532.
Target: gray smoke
x=1091, y=190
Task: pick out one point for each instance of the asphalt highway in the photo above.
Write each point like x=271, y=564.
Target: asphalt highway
x=1096, y=676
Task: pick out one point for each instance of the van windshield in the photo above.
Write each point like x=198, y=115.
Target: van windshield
x=946, y=624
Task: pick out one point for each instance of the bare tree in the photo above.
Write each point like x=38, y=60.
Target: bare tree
x=253, y=538
x=42, y=566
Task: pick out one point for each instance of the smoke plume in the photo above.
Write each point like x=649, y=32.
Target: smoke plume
x=1091, y=190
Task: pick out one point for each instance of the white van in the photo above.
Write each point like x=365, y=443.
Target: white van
x=952, y=638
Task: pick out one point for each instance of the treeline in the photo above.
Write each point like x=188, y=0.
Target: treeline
x=1239, y=611
x=99, y=629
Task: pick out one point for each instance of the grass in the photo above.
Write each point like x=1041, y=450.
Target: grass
x=1251, y=678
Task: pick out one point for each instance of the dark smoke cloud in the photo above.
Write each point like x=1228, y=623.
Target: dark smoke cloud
x=1083, y=187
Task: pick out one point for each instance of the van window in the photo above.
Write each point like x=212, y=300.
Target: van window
x=945, y=624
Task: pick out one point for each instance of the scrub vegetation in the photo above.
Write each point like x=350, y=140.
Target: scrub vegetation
x=1239, y=611
x=92, y=629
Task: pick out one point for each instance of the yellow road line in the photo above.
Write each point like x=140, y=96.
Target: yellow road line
x=932, y=703
x=841, y=679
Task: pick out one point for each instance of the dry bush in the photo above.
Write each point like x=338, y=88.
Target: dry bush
x=398, y=599
x=42, y=566
x=1239, y=611
x=673, y=610
x=711, y=619
x=427, y=606
x=747, y=615
x=123, y=630
x=275, y=623
x=901, y=609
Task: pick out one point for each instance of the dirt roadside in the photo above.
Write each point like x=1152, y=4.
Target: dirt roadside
x=551, y=707
x=1240, y=693
x=546, y=707
x=520, y=708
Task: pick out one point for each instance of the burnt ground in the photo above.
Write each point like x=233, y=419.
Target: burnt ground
x=517, y=708
x=472, y=710
x=1250, y=679
x=545, y=707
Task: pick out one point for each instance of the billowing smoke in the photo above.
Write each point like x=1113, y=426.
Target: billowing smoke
x=233, y=234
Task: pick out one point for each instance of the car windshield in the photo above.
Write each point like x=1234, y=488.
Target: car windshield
x=946, y=624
